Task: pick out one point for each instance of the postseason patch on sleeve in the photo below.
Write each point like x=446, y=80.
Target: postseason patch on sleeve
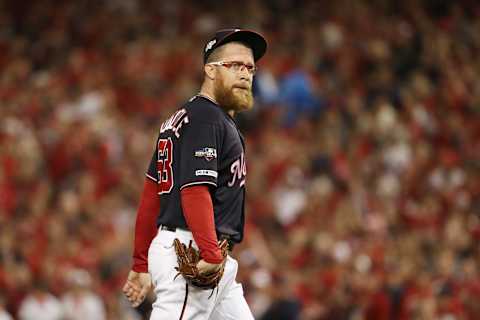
x=207, y=153
x=209, y=173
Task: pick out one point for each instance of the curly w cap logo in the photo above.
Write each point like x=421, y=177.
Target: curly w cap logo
x=207, y=153
x=210, y=44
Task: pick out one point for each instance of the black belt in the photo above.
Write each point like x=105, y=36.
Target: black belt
x=220, y=236
x=168, y=228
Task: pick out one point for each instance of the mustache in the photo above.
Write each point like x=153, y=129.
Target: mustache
x=245, y=87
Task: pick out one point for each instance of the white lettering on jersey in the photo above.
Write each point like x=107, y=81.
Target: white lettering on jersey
x=175, y=122
x=238, y=170
x=210, y=173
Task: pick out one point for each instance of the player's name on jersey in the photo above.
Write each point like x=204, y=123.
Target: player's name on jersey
x=175, y=122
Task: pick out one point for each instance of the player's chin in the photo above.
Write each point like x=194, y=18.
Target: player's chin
x=243, y=107
x=248, y=107
x=244, y=102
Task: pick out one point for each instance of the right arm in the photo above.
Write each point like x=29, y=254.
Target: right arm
x=138, y=283
x=145, y=225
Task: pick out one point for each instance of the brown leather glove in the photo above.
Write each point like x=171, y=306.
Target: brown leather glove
x=188, y=258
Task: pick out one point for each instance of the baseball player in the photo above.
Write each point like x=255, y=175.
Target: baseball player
x=194, y=189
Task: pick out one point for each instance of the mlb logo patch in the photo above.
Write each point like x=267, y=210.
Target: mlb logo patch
x=207, y=153
x=210, y=45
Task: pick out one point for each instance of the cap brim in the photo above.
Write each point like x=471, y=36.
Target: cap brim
x=255, y=41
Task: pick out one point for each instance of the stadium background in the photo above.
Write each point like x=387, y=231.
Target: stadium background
x=363, y=152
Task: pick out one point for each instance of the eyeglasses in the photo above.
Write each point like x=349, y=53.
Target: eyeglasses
x=236, y=66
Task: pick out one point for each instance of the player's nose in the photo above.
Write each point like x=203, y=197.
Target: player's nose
x=245, y=81
x=245, y=75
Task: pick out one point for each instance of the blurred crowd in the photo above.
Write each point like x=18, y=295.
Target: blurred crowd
x=363, y=153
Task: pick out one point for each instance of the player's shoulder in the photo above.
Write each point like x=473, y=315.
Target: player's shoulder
x=202, y=109
x=198, y=111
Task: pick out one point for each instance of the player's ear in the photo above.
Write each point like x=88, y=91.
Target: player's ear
x=209, y=71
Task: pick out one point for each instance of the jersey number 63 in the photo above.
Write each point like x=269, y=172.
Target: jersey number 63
x=164, y=165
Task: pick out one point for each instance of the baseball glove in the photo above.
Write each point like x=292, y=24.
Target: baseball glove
x=188, y=258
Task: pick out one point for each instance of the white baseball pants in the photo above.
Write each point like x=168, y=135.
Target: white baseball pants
x=175, y=300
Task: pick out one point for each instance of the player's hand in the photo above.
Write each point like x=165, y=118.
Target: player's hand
x=206, y=268
x=137, y=287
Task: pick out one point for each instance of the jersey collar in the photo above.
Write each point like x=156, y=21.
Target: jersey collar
x=199, y=95
x=208, y=98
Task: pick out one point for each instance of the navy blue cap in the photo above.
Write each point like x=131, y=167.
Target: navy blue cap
x=254, y=40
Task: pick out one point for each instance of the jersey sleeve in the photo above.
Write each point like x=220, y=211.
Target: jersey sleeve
x=199, y=145
x=152, y=173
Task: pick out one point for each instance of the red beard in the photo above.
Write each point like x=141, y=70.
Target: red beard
x=233, y=98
